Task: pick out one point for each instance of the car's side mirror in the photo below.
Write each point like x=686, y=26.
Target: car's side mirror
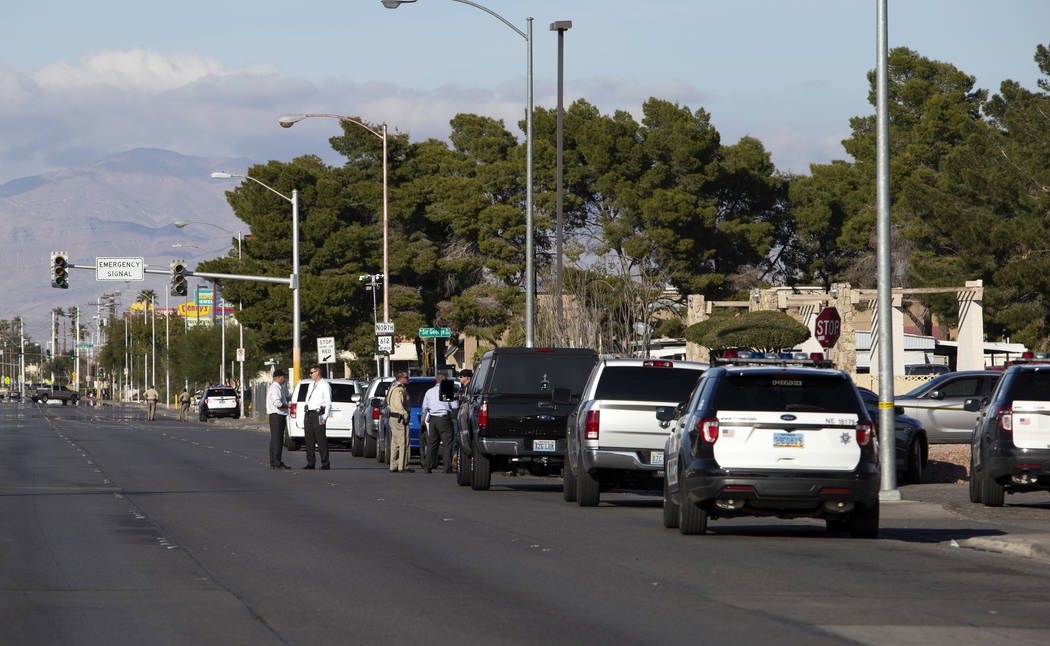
x=356, y=397
x=666, y=413
x=561, y=396
x=936, y=395
x=973, y=404
x=898, y=410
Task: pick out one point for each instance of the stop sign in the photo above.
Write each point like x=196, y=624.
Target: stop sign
x=827, y=327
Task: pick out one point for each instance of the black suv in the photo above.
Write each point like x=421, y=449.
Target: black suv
x=1010, y=446
x=516, y=409
x=784, y=439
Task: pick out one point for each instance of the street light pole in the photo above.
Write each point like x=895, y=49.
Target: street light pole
x=560, y=26
x=289, y=120
x=530, y=270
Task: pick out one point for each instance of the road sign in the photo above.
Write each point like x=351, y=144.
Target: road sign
x=82, y=346
x=271, y=362
x=240, y=354
x=827, y=327
x=119, y=269
x=384, y=328
x=326, y=349
x=434, y=332
x=384, y=344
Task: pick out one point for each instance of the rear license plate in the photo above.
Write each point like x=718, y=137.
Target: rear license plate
x=656, y=458
x=788, y=440
x=546, y=446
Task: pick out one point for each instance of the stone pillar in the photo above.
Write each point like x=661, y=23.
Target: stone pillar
x=844, y=354
x=971, y=327
x=897, y=317
x=696, y=311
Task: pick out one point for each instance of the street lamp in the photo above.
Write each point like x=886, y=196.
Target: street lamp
x=296, y=321
x=372, y=286
x=289, y=120
x=180, y=224
x=530, y=272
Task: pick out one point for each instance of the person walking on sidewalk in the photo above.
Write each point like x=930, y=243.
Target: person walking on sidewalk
x=184, y=406
x=277, y=414
x=318, y=408
x=400, y=408
x=151, y=403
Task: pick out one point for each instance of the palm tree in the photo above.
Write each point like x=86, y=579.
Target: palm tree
x=147, y=295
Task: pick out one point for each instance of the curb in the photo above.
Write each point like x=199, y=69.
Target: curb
x=1032, y=546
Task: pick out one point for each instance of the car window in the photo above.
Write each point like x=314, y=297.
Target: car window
x=1030, y=386
x=780, y=391
x=639, y=383
x=962, y=387
x=528, y=374
x=342, y=392
x=479, y=377
x=416, y=390
x=301, y=395
x=222, y=392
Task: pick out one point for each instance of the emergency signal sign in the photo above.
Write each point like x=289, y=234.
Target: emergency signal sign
x=827, y=327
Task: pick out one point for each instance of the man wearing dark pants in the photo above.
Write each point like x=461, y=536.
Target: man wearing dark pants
x=318, y=407
x=440, y=413
x=277, y=413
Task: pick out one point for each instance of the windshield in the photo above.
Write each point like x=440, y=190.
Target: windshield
x=539, y=374
x=776, y=392
x=641, y=383
x=222, y=392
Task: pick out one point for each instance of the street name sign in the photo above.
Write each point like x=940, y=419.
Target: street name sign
x=384, y=328
x=326, y=349
x=827, y=327
x=271, y=362
x=85, y=346
x=434, y=332
x=119, y=269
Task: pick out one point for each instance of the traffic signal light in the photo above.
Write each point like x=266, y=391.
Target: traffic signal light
x=47, y=355
x=60, y=269
x=178, y=277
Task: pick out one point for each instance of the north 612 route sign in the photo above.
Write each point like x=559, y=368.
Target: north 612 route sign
x=827, y=327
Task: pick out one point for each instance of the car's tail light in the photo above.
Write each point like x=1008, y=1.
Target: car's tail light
x=864, y=432
x=375, y=412
x=1005, y=415
x=590, y=428
x=292, y=408
x=705, y=433
x=483, y=415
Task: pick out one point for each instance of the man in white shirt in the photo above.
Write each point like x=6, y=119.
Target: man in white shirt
x=277, y=413
x=440, y=426
x=318, y=407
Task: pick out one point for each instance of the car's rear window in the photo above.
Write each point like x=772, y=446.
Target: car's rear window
x=222, y=392
x=773, y=392
x=416, y=391
x=539, y=374
x=1030, y=386
x=342, y=392
x=643, y=383
x=381, y=389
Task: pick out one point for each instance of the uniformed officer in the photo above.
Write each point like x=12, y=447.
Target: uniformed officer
x=151, y=403
x=184, y=406
x=400, y=408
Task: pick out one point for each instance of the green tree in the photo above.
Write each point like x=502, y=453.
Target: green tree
x=759, y=330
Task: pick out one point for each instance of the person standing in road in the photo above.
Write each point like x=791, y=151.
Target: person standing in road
x=400, y=408
x=184, y=406
x=318, y=408
x=277, y=414
x=440, y=416
x=151, y=403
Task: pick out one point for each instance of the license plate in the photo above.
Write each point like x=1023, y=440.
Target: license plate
x=657, y=458
x=547, y=446
x=788, y=440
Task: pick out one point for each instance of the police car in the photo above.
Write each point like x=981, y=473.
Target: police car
x=219, y=401
x=772, y=434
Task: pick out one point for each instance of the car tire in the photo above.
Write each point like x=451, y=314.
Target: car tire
x=993, y=494
x=357, y=446
x=975, y=482
x=370, y=446
x=670, y=508
x=864, y=521
x=588, y=491
x=913, y=463
x=203, y=414
x=462, y=467
x=692, y=519
x=568, y=480
x=423, y=447
x=289, y=443
x=480, y=471
x=838, y=525
x=236, y=416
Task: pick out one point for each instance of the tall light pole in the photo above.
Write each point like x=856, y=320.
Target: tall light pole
x=296, y=321
x=530, y=270
x=372, y=278
x=560, y=26
x=289, y=120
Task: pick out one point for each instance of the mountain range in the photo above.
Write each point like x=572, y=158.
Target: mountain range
x=122, y=206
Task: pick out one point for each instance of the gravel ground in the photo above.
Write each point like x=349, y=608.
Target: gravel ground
x=948, y=463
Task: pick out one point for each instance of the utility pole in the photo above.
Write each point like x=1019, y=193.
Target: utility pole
x=76, y=352
x=22, y=355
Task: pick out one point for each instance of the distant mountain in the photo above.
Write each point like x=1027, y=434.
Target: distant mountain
x=121, y=206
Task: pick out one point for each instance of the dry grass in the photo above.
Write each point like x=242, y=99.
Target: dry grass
x=949, y=463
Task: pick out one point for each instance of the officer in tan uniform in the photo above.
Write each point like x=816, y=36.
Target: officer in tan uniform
x=400, y=408
x=151, y=403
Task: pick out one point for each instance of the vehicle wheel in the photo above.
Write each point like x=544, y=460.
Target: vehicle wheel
x=864, y=521
x=423, y=441
x=289, y=443
x=462, y=467
x=913, y=465
x=975, y=482
x=838, y=524
x=357, y=446
x=203, y=414
x=588, y=493
x=381, y=453
x=568, y=480
x=670, y=508
x=236, y=416
x=370, y=446
x=691, y=518
x=992, y=493
x=480, y=471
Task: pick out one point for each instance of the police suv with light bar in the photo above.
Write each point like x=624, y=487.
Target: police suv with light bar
x=763, y=434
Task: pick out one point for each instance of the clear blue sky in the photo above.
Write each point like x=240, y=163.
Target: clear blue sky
x=81, y=81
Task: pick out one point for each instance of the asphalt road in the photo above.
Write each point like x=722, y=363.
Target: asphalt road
x=118, y=531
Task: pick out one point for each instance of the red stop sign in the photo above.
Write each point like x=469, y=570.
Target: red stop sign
x=827, y=327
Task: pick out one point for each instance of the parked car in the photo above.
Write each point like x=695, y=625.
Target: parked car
x=918, y=369
x=219, y=401
x=912, y=447
x=417, y=387
x=366, y=417
x=770, y=436
x=1010, y=444
x=613, y=438
x=44, y=393
x=339, y=426
x=938, y=404
x=517, y=408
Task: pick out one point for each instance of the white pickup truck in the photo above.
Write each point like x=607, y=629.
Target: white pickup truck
x=614, y=439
